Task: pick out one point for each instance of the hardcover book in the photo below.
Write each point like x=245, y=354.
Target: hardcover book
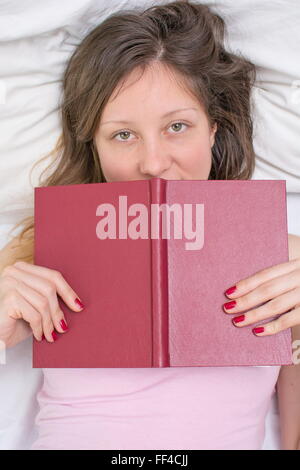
x=151, y=260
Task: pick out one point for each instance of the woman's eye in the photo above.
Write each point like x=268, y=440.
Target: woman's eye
x=122, y=133
x=180, y=123
x=127, y=133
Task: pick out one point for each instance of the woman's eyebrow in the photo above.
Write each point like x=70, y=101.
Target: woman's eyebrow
x=165, y=115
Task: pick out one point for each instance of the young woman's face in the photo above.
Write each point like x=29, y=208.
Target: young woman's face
x=154, y=135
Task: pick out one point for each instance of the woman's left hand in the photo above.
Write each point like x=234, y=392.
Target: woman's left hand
x=279, y=287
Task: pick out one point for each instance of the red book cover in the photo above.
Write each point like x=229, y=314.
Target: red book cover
x=151, y=260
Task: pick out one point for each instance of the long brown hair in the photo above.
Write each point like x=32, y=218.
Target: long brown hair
x=187, y=37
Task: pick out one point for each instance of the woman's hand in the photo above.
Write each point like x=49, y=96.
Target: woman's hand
x=278, y=286
x=28, y=302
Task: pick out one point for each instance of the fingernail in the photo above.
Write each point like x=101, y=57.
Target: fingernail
x=63, y=324
x=229, y=305
x=78, y=302
x=238, y=319
x=259, y=329
x=54, y=335
x=231, y=290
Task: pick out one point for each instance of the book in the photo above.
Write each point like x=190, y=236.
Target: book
x=151, y=261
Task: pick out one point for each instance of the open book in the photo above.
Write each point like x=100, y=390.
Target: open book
x=151, y=260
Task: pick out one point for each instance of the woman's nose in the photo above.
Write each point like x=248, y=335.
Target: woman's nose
x=154, y=162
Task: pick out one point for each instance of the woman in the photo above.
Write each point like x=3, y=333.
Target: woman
x=154, y=93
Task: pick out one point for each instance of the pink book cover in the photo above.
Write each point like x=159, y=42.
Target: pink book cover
x=153, y=285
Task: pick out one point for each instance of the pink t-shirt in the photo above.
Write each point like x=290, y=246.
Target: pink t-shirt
x=167, y=408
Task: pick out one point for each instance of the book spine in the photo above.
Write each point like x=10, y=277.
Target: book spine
x=159, y=266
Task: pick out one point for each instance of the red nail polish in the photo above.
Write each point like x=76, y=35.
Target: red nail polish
x=78, y=302
x=229, y=305
x=259, y=329
x=238, y=319
x=54, y=335
x=63, y=324
x=231, y=290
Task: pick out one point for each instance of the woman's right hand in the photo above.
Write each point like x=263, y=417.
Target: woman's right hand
x=28, y=302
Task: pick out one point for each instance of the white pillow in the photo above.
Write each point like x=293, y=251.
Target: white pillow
x=268, y=33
